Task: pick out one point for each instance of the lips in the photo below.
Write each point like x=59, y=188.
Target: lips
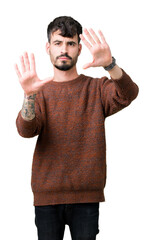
x=64, y=58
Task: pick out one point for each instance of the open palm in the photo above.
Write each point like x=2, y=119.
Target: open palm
x=29, y=80
x=99, y=49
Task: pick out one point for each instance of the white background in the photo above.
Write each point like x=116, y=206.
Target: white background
x=127, y=27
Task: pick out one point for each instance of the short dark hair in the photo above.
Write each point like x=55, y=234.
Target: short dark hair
x=68, y=26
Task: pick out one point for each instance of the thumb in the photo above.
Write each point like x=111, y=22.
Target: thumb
x=88, y=65
x=46, y=80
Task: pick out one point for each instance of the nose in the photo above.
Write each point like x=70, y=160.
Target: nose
x=64, y=49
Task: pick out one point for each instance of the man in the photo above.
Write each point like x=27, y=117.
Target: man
x=68, y=112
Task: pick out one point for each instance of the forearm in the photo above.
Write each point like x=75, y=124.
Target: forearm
x=116, y=72
x=28, y=108
x=118, y=94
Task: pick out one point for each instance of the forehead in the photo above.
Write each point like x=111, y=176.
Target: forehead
x=56, y=36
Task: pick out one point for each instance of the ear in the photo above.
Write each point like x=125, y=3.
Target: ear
x=47, y=47
x=80, y=48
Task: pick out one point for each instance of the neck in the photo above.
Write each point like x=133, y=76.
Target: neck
x=62, y=76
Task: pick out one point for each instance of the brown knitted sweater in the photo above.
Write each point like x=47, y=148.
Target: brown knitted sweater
x=69, y=162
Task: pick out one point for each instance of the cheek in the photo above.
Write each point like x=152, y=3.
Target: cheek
x=75, y=52
x=53, y=54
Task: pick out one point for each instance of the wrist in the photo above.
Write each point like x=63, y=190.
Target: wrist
x=111, y=65
x=116, y=72
x=30, y=96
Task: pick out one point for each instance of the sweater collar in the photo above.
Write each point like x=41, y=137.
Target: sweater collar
x=70, y=82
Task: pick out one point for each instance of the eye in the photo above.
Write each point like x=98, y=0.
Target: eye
x=71, y=44
x=57, y=43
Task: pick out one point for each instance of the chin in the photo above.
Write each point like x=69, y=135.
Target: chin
x=63, y=67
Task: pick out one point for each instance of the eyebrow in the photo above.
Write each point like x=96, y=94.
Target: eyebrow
x=72, y=42
x=59, y=41
x=56, y=41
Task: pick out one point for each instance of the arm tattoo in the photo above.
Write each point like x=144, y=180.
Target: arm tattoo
x=28, y=108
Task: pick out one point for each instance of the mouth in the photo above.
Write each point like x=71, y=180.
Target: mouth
x=64, y=58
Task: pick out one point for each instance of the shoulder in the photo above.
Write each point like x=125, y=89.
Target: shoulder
x=95, y=80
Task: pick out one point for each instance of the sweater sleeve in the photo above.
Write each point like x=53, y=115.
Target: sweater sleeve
x=32, y=127
x=117, y=94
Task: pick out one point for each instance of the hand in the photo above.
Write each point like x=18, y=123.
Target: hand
x=29, y=80
x=99, y=49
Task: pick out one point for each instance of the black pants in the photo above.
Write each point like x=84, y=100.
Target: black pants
x=82, y=219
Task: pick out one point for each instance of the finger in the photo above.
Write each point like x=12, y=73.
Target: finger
x=102, y=36
x=88, y=45
x=90, y=38
x=33, y=66
x=26, y=60
x=46, y=80
x=87, y=65
x=17, y=71
x=95, y=36
x=22, y=64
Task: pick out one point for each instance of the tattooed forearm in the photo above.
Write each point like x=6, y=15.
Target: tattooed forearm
x=28, y=108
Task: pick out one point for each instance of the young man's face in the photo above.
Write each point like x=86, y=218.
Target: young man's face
x=63, y=51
